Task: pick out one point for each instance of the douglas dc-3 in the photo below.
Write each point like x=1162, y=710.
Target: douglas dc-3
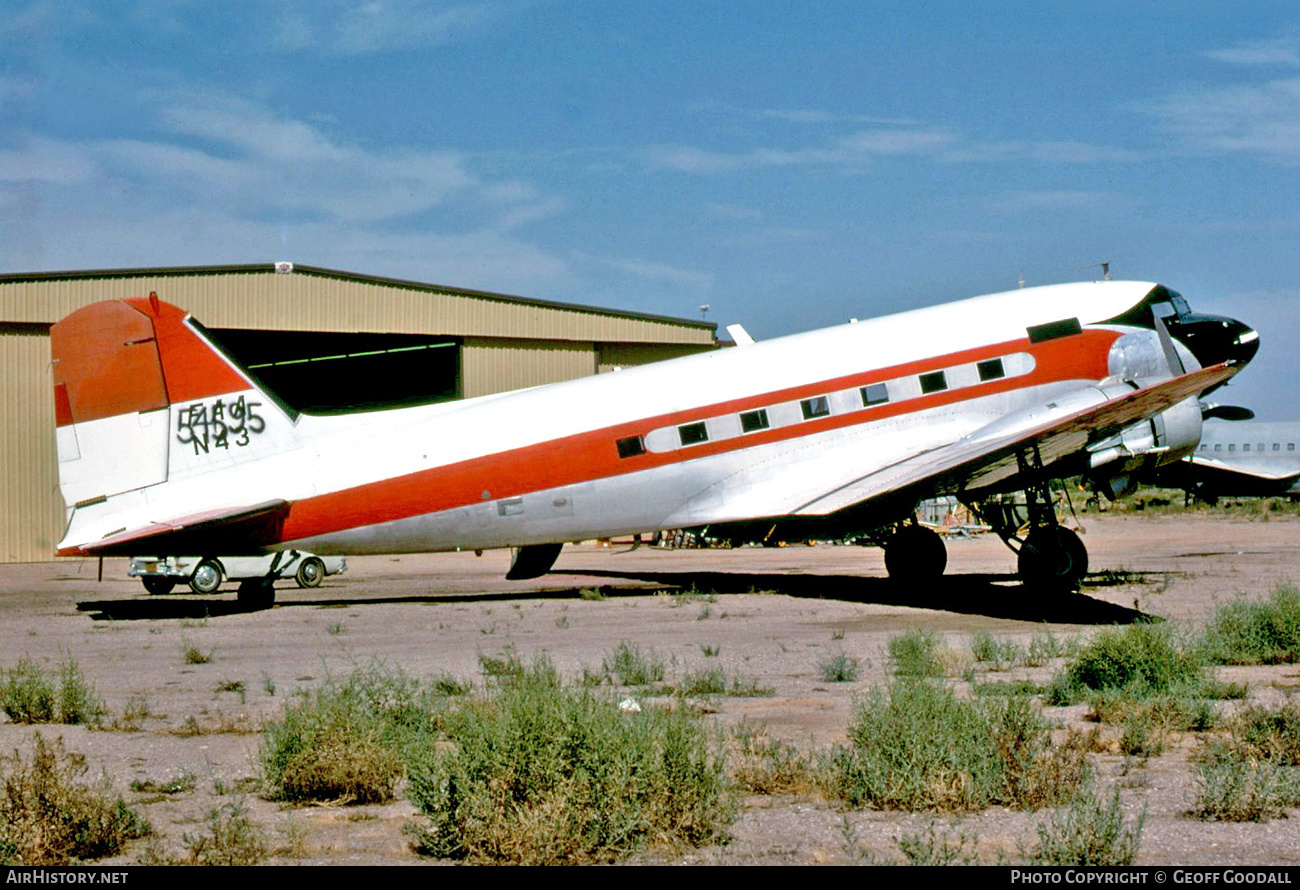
x=167, y=446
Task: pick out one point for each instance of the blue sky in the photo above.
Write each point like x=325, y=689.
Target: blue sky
x=790, y=164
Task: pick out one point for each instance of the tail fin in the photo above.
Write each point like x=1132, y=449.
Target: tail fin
x=142, y=398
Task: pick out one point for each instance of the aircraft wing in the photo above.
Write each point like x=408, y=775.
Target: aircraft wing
x=991, y=453
x=235, y=531
x=1240, y=469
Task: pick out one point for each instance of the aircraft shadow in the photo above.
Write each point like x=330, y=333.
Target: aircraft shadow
x=992, y=596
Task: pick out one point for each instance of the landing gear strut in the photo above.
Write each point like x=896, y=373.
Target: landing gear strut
x=1048, y=556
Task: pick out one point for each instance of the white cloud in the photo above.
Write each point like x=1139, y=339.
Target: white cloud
x=1060, y=199
x=1262, y=119
x=1272, y=52
x=226, y=181
x=350, y=28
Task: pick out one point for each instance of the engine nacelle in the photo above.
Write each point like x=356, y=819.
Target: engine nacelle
x=1118, y=463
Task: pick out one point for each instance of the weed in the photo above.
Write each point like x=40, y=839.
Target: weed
x=179, y=784
x=710, y=650
x=914, y=653
x=1251, y=776
x=268, y=684
x=839, y=668
x=998, y=654
x=27, y=695
x=705, y=613
x=538, y=773
x=347, y=741
x=448, y=684
x=233, y=686
x=562, y=622
x=935, y=849
x=1088, y=832
x=192, y=654
x=917, y=746
x=49, y=817
x=134, y=713
x=768, y=766
x=232, y=839
x=335, y=628
x=508, y=665
x=633, y=667
x=1244, y=632
x=591, y=594
x=1139, y=661
x=707, y=681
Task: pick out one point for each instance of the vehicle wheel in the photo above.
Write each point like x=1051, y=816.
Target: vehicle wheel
x=1053, y=557
x=257, y=593
x=915, y=553
x=158, y=584
x=207, y=577
x=311, y=572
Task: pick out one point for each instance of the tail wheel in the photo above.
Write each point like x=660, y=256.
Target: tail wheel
x=1053, y=557
x=257, y=593
x=207, y=577
x=311, y=571
x=915, y=553
x=158, y=584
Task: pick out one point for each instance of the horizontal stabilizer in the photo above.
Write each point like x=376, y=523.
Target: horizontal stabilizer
x=236, y=531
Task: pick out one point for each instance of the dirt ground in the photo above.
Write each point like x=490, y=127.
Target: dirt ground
x=773, y=615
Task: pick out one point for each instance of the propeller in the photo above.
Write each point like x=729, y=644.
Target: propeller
x=1225, y=412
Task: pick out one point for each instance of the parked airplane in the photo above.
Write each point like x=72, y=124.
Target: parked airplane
x=167, y=446
x=1239, y=460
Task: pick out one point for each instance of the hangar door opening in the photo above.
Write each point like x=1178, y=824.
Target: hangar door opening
x=332, y=373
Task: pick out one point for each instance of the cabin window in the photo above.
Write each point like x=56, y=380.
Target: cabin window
x=991, y=370
x=1246, y=447
x=1232, y=447
x=1218, y=447
x=935, y=381
x=1204, y=447
x=693, y=433
x=1260, y=447
x=631, y=446
x=1290, y=446
x=1277, y=447
x=753, y=421
x=817, y=406
x=1053, y=330
x=874, y=394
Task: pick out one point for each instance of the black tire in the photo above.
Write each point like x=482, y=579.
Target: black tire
x=915, y=553
x=207, y=577
x=257, y=593
x=1053, y=558
x=311, y=572
x=159, y=585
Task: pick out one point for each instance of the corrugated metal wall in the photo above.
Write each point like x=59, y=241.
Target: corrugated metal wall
x=308, y=301
x=509, y=343
x=488, y=366
x=31, y=511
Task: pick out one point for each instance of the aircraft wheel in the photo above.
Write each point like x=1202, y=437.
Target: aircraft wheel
x=311, y=572
x=915, y=553
x=158, y=584
x=257, y=593
x=1053, y=557
x=207, y=577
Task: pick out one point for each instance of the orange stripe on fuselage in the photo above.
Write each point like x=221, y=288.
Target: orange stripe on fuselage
x=593, y=455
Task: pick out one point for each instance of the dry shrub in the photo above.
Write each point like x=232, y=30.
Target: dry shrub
x=48, y=816
x=352, y=769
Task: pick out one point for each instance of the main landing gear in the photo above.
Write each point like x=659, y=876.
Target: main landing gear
x=1048, y=555
x=915, y=553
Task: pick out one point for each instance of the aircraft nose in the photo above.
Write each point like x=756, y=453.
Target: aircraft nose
x=1214, y=338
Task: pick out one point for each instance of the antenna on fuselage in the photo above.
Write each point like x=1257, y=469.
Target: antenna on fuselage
x=1105, y=269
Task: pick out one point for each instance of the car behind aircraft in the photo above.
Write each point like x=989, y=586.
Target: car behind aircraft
x=167, y=446
x=204, y=574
